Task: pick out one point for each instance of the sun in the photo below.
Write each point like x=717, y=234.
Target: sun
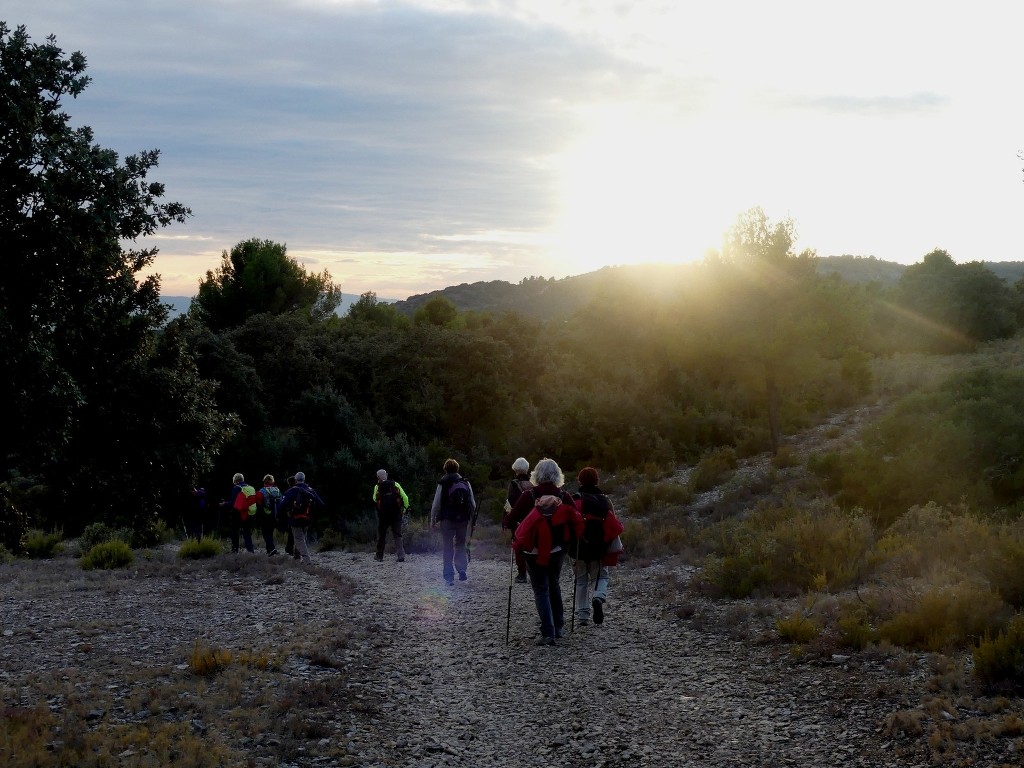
x=637, y=190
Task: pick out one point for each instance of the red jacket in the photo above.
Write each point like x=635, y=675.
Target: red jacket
x=535, y=533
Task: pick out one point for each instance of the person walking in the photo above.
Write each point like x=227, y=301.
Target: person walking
x=302, y=504
x=241, y=506
x=597, y=549
x=195, y=518
x=453, y=509
x=519, y=485
x=270, y=500
x=543, y=536
x=391, y=502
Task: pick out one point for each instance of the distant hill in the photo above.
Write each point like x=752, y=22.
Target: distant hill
x=180, y=304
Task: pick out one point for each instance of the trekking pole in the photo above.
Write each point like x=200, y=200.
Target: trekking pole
x=572, y=618
x=508, y=612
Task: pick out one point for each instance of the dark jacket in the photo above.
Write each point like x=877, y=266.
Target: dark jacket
x=527, y=500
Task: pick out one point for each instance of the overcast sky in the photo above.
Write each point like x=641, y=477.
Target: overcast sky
x=407, y=146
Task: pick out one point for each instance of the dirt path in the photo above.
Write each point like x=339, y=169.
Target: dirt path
x=440, y=687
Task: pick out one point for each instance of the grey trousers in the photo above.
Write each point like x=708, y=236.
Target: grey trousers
x=591, y=584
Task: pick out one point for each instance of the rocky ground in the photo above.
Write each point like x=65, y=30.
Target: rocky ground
x=425, y=677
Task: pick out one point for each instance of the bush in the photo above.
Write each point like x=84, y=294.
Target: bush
x=108, y=555
x=198, y=549
x=94, y=533
x=13, y=522
x=796, y=629
x=650, y=497
x=40, y=545
x=1001, y=660
x=944, y=619
x=713, y=468
x=787, y=550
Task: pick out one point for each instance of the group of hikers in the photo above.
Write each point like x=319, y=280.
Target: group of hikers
x=547, y=524
x=266, y=509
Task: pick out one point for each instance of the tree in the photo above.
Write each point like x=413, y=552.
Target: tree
x=258, y=276
x=78, y=325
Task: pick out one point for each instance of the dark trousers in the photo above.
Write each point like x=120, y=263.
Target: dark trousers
x=547, y=592
x=267, y=526
x=245, y=526
x=388, y=521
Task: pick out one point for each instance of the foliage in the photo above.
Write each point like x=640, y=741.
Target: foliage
x=961, y=440
x=713, y=468
x=108, y=555
x=13, y=523
x=943, y=619
x=40, y=545
x=796, y=628
x=200, y=549
x=1000, y=659
x=89, y=407
x=258, y=276
x=787, y=549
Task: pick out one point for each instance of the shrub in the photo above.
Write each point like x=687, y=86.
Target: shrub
x=946, y=618
x=94, y=533
x=787, y=550
x=206, y=661
x=1001, y=660
x=713, y=468
x=13, y=522
x=198, y=549
x=649, y=497
x=41, y=545
x=854, y=630
x=108, y=555
x=796, y=629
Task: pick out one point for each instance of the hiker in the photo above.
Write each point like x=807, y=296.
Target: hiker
x=301, y=502
x=195, y=518
x=543, y=536
x=270, y=497
x=241, y=506
x=391, y=503
x=519, y=485
x=284, y=524
x=452, y=511
x=597, y=549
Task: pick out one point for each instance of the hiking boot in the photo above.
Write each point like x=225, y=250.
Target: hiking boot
x=462, y=576
x=560, y=632
x=450, y=582
x=598, y=606
x=545, y=641
x=401, y=559
x=521, y=578
x=379, y=558
x=583, y=622
x=273, y=552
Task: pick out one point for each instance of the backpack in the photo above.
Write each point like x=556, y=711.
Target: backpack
x=521, y=487
x=245, y=502
x=388, y=499
x=592, y=545
x=271, y=499
x=301, y=512
x=562, y=535
x=460, y=506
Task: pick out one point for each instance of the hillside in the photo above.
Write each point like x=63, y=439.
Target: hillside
x=545, y=298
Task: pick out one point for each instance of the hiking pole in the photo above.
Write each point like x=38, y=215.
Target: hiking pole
x=508, y=612
x=572, y=618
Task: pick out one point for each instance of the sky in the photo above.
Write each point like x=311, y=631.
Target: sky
x=409, y=146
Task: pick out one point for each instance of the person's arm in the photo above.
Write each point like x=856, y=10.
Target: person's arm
x=375, y=487
x=401, y=492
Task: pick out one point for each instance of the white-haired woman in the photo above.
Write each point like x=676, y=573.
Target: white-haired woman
x=519, y=485
x=552, y=521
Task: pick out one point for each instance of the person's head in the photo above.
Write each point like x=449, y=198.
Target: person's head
x=382, y=475
x=268, y=479
x=238, y=478
x=520, y=466
x=291, y=480
x=547, y=471
x=300, y=477
x=588, y=476
x=451, y=466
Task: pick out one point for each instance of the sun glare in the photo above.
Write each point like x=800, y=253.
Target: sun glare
x=636, y=191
